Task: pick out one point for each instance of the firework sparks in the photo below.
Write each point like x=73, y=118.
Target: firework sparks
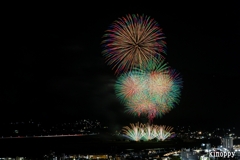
x=132, y=41
x=146, y=132
x=135, y=132
x=152, y=91
x=134, y=45
x=150, y=132
x=163, y=132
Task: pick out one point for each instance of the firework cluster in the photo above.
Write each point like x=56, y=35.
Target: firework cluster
x=147, y=132
x=135, y=47
x=152, y=91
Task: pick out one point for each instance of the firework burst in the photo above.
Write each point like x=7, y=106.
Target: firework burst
x=163, y=132
x=128, y=85
x=132, y=41
x=135, y=132
x=152, y=91
x=150, y=132
x=146, y=132
x=134, y=46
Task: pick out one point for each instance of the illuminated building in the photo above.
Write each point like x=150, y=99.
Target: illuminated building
x=227, y=142
x=208, y=146
x=189, y=155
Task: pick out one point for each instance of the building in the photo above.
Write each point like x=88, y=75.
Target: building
x=189, y=155
x=204, y=158
x=227, y=142
x=208, y=146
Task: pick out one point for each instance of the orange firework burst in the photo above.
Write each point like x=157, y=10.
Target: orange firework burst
x=132, y=41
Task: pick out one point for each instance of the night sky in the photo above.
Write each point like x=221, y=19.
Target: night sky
x=54, y=69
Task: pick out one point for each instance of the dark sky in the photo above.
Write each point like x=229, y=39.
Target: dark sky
x=54, y=69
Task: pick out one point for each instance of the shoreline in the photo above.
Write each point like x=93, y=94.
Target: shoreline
x=83, y=145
